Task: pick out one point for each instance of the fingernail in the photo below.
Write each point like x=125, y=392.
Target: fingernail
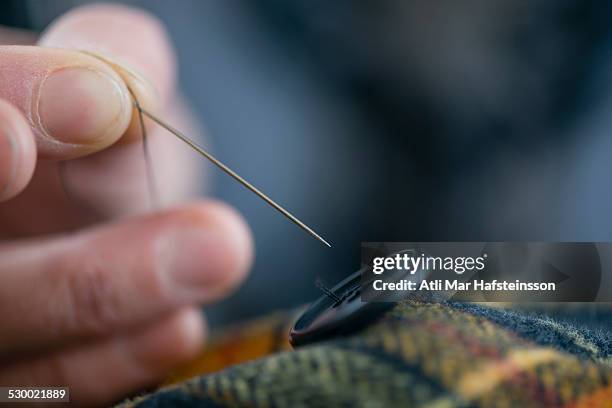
x=200, y=257
x=8, y=155
x=81, y=105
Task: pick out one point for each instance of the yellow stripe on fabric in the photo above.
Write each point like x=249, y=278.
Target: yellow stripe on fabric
x=601, y=399
x=490, y=374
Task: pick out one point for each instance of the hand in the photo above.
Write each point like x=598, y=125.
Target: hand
x=102, y=307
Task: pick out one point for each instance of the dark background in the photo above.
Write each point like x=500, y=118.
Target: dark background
x=479, y=120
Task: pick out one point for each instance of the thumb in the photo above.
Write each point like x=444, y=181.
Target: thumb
x=75, y=103
x=133, y=42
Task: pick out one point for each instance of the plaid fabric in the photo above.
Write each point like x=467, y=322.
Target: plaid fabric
x=422, y=355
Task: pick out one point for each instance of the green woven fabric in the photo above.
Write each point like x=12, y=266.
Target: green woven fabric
x=421, y=355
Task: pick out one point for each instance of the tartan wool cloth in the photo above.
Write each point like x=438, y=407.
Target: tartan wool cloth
x=416, y=355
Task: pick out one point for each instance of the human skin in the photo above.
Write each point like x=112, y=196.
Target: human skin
x=98, y=292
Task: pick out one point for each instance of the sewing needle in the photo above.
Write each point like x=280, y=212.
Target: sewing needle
x=231, y=173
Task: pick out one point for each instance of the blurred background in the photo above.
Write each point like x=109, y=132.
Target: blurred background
x=392, y=120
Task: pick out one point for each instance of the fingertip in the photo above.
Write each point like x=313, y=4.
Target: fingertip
x=192, y=332
x=172, y=341
x=234, y=227
x=17, y=151
x=100, y=29
x=83, y=106
x=212, y=249
x=74, y=103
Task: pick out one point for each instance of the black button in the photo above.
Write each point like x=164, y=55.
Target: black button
x=328, y=317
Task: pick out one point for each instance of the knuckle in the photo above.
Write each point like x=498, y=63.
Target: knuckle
x=94, y=302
